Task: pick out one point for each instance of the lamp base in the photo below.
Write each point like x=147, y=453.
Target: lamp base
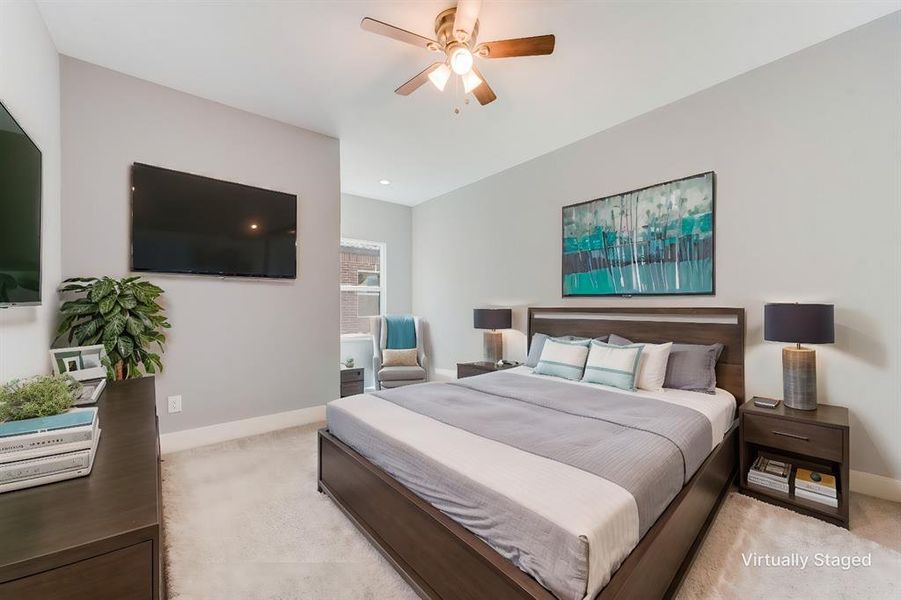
x=799, y=378
x=494, y=346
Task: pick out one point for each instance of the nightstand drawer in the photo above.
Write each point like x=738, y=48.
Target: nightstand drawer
x=803, y=438
x=351, y=375
x=351, y=389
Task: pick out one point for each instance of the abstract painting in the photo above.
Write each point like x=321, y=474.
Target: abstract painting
x=654, y=241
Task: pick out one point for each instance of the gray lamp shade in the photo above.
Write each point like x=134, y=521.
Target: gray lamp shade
x=492, y=318
x=799, y=323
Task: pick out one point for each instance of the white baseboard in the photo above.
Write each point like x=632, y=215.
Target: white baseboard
x=876, y=485
x=221, y=432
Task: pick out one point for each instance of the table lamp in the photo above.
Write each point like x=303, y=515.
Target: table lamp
x=493, y=319
x=799, y=324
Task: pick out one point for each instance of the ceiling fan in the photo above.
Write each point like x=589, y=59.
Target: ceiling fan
x=456, y=30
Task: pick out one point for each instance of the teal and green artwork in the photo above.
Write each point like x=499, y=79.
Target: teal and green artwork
x=654, y=241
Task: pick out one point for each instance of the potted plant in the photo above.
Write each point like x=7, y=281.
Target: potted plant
x=121, y=314
x=41, y=396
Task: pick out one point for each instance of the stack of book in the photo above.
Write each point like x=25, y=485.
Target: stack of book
x=816, y=486
x=771, y=474
x=48, y=449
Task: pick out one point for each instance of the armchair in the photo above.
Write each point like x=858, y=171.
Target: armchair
x=390, y=377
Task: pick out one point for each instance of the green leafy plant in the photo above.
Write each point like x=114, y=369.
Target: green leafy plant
x=40, y=396
x=121, y=314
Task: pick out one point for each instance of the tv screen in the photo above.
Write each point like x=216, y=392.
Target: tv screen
x=183, y=223
x=20, y=214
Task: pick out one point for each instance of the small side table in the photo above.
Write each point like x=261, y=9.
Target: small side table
x=811, y=439
x=351, y=381
x=480, y=367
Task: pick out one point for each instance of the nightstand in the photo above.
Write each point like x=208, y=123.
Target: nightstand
x=351, y=381
x=480, y=367
x=811, y=439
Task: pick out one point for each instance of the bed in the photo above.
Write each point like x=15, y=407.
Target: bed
x=514, y=485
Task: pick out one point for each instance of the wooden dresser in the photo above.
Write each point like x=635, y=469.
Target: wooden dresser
x=96, y=537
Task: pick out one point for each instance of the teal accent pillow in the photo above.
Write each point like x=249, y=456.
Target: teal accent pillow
x=613, y=365
x=563, y=358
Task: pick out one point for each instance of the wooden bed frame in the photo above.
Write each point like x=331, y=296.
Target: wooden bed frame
x=441, y=559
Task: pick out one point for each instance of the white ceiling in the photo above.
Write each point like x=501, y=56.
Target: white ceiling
x=309, y=64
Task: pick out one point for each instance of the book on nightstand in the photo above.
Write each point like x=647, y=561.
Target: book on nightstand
x=816, y=482
x=816, y=486
x=814, y=497
x=769, y=473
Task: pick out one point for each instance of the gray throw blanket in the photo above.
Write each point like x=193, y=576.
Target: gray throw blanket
x=646, y=446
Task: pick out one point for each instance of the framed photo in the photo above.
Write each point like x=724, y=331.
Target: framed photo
x=654, y=241
x=82, y=362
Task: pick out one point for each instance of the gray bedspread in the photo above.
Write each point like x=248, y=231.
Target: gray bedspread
x=648, y=447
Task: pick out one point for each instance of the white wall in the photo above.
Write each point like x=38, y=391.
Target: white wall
x=807, y=152
x=29, y=88
x=238, y=348
x=389, y=223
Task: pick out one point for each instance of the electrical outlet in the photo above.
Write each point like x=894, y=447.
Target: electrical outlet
x=174, y=404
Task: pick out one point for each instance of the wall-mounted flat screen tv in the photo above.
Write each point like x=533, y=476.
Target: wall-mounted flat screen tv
x=20, y=214
x=183, y=223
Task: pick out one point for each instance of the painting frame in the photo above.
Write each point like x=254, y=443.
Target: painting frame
x=653, y=293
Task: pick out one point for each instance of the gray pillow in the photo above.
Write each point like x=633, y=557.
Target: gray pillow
x=690, y=367
x=537, y=345
x=535, y=349
x=617, y=340
x=693, y=367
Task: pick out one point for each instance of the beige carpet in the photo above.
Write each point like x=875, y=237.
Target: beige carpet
x=243, y=520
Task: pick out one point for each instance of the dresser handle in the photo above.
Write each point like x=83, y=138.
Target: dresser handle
x=791, y=435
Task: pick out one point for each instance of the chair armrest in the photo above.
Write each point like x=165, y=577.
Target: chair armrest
x=424, y=363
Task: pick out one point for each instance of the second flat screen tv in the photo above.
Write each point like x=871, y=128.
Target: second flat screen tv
x=183, y=223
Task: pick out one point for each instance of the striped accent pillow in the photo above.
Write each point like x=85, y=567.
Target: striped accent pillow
x=613, y=365
x=563, y=358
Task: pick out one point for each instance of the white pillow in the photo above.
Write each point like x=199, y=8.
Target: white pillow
x=563, y=358
x=652, y=366
x=616, y=366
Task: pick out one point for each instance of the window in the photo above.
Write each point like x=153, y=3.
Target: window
x=362, y=284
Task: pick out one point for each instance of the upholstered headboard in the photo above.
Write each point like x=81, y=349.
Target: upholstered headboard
x=655, y=326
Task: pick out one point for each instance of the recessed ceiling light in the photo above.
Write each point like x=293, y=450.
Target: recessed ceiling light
x=385, y=181
x=253, y=225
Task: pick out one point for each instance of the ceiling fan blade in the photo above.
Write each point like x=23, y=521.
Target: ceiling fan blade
x=465, y=18
x=530, y=46
x=413, y=84
x=396, y=33
x=484, y=94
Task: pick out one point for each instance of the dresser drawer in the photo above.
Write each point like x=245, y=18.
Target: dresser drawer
x=125, y=574
x=802, y=438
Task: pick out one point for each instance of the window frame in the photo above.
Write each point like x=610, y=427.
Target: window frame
x=383, y=279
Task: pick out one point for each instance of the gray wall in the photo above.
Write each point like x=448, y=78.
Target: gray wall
x=238, y=348
x=29, y=88
x=389, y=223
x=806, y=153
x=378, y=221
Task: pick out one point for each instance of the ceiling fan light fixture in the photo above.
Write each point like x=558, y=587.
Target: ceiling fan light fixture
x=461, y=60
x=439, y=77
x=471, y=81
